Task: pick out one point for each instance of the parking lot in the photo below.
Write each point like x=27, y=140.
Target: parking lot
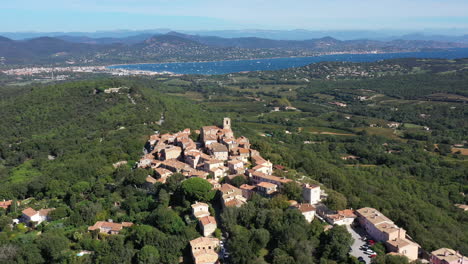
x=357, y=235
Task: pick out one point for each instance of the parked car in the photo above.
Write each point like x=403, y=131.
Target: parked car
x=373, y=256
x=371, y=242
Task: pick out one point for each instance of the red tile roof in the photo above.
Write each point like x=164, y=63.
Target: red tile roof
x=29, y=212
x=305, y=207
x=109, y=225
x=5, y=204
x=206, y=220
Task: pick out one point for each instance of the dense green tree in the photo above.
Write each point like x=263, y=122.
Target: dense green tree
x=237, y=243
x=167, y=220
x=390, y=259
x=5, y=222
x=281, y=257
x=336, y=201
x=59, y=213
x=238, y=180
x=52, y=246
x=148, y=255
x=197, y=189
x=292, y=190
x=259, y=239
x=174, y=181
x=337, y=243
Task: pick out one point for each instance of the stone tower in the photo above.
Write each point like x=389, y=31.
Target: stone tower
x=227, y=123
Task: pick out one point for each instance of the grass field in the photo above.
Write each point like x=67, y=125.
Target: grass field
x=380, y=131
x=326, y=131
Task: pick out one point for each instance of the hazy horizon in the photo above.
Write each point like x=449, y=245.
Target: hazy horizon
x=106, y=15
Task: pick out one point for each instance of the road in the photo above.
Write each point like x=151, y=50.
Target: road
x=357, y=234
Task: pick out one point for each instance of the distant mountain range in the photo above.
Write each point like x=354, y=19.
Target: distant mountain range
x=175, y=46
x=320, y=44
x=446, y=35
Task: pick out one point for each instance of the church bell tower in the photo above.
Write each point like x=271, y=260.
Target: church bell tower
x=227, y=123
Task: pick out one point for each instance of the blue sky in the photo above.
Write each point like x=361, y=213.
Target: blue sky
x=93, y=15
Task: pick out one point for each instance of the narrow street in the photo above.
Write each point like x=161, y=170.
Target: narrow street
x=357, y=234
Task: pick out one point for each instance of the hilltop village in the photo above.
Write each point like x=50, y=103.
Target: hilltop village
x=219, y=157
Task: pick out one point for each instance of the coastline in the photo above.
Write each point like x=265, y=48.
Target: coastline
x=252, y=59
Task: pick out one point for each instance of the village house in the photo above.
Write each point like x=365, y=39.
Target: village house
x=242, y=154
x=212, y=164
x=311, y=193
x=163, y=174
x=260, y=161
x=109, y=227
x=192, y=157
x=267, y=189
x=150, y=180
x=464, y=207
x=343, y=217
x=171, y=152
x=349, y=157
x=258, y=177
x=31, y=215
x=219, y=172
x=154, y=139
x=243, y=142
x=186, y=143
x=338, y=104
x=204, y=250
x=216, y=185
x=230, y=143
x=119, y=163
x=382, y=229
x=403, y=247
x=5, y=204
x=207, y=225
x=231, y=196
x=145, y=161
x=307, y=210
x=247, y=191
x=394, y=125
x=209, y=139
x=168, y=138
x=155, y=164
x=263, y=169
x=447, y=256
x=176, y=166
x=197, y=173
x=200, y=210
x=218, y=151
x=236, y=167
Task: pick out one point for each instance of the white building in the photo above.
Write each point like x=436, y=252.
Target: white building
x=31, y=215
x=307, y=210
x=200, y=210
x=208, y=225
x=311, y=193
